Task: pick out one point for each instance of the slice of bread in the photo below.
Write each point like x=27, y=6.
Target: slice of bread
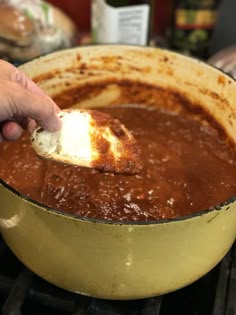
x=92, y=139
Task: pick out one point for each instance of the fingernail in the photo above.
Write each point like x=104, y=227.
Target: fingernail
x=31, y=126
x=56, y=123
x=11, y=131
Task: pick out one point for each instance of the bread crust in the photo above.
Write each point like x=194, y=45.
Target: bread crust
x=108, y=146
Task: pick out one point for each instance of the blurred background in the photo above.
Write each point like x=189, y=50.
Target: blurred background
x=204, y=29
x=224, y=32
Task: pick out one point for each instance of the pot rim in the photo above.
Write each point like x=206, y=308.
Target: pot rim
x=77, y=217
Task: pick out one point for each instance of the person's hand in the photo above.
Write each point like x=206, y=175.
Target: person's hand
x=23, y=104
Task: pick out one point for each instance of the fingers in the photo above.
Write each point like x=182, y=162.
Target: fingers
x=24, y=103
x=26, y=123
x=11, y=131
x=33, y=102
x=31, y=125
x=11, y=73
x=28, y=84
x=7, y=70
x=43, y=111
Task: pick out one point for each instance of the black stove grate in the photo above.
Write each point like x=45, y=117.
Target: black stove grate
x=23, y=293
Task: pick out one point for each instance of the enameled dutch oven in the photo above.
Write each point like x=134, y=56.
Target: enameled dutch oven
x=115, y=260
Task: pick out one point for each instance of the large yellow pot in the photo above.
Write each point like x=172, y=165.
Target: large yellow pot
x=123, y=260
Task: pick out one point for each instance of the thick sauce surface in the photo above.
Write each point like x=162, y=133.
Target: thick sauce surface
x=187, y=168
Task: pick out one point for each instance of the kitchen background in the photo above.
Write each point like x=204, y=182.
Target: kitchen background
x=222, y=39
x=164, y=31
x=207, y=26
x=224, y=34
x=21, y=292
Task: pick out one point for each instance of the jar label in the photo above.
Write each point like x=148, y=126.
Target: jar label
x=193, y=30
x=126, y=25
x=192, y=19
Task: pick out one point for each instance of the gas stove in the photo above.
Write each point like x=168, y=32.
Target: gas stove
x=23, y=293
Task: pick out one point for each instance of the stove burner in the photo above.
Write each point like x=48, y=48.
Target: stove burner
x=23, y=293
